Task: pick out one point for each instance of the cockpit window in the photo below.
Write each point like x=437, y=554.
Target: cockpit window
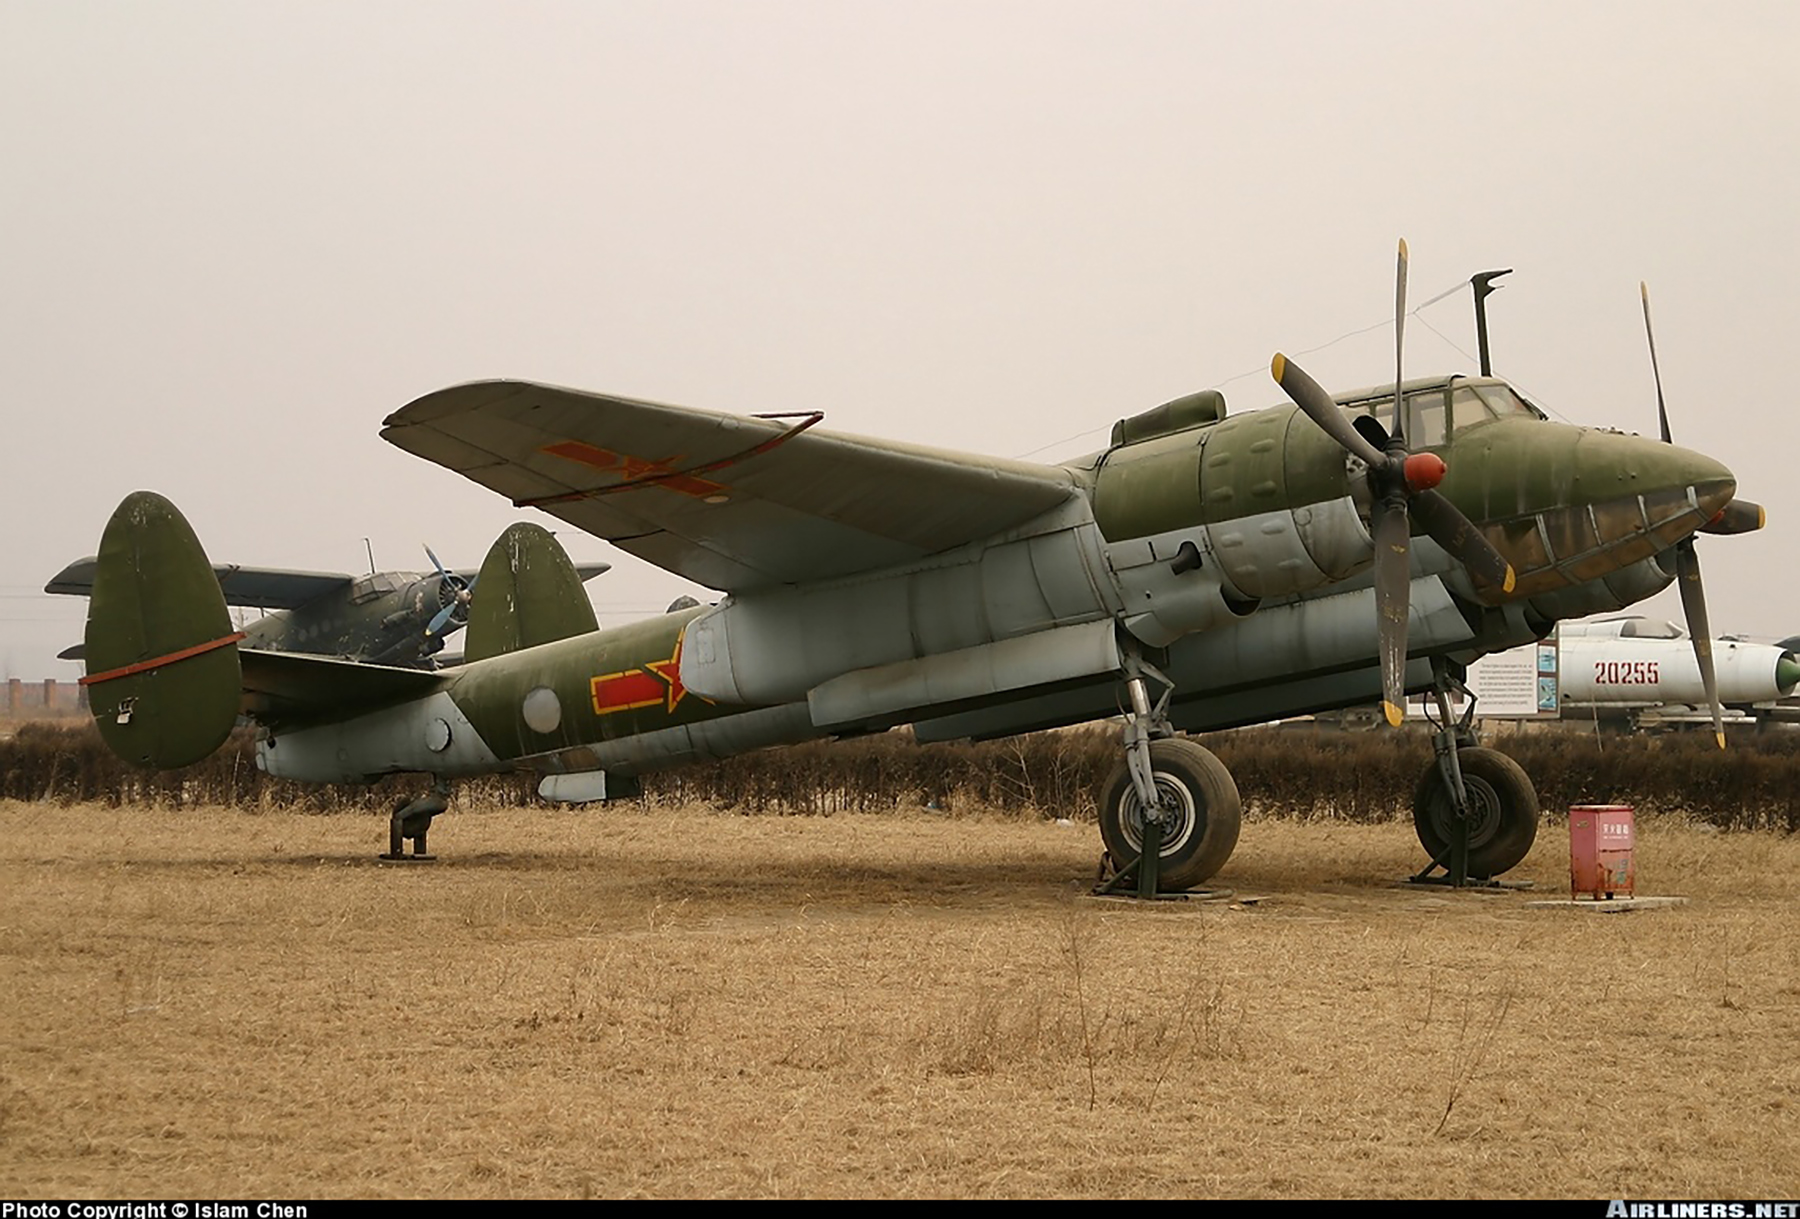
x=1427, y=419
x=1434, y=414
x=1503, y=401
x=1426, y=416
x=372, y=586
x=1467, y=409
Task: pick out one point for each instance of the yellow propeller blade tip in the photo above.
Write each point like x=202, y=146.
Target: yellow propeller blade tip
x=1394, y=714
x=1506, y=585
x=1278, y=366
x=1403, y=247
x=1721, y=739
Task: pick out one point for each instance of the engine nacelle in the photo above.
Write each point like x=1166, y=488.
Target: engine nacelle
x=1236, y=483
x=772, y=646
x=1171, y=586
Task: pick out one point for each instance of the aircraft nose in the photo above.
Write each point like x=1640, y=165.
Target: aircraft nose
x=1610, y=464
x=1714, y=485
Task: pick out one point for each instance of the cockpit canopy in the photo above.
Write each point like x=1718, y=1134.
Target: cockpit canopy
x=1624, y=627
x=377, y=584
x=1441, y=407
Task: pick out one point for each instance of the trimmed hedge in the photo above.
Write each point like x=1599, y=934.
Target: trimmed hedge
x=1284, y=772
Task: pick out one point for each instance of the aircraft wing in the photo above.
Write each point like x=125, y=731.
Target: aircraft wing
x=262, y=587
x=292, y=689
x=729, y=501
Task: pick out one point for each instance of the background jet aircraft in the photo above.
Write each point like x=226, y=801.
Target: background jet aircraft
x=397, y=618
x=1643, y=670
x=1200, y=572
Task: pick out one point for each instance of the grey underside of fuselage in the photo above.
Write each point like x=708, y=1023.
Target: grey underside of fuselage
x=1306, y=656
x=1311, y=655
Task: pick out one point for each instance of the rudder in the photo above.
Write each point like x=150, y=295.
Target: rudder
x=528, y=593
x=163, y=674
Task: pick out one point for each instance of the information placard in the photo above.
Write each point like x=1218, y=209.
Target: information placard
x=1521, y=684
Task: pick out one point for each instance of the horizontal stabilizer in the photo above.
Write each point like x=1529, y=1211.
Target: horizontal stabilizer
x=252, y=587
x=291, y=689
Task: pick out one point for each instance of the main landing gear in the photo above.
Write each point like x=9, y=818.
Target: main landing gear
x=1475, y=811
x=412, y=819
x=1169, y=813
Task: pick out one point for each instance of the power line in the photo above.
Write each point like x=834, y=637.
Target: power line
x=1263, y=368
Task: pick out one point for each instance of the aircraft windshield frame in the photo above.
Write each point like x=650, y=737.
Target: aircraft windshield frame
x=1504, y=400
x=1437, y=411
x=374, y=585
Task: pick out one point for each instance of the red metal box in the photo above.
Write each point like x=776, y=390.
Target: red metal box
x=1600, y=840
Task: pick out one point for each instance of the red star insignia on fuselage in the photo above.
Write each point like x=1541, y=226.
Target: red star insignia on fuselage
x=670, y=671
x=647, y=685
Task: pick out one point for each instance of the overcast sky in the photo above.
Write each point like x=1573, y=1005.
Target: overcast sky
x=235, y=236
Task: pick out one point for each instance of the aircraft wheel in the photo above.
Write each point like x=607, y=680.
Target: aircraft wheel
x=1502, y=804
x=1196, y=785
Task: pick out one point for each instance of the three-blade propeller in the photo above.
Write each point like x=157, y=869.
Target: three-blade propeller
x=1402, y=494
x=454, y=595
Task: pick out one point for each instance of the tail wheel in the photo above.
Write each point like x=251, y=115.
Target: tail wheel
x=1193, y=785
x=1503, y=811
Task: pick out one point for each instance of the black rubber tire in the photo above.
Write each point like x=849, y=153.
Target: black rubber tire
x=1502, y=802
x=1209, y=814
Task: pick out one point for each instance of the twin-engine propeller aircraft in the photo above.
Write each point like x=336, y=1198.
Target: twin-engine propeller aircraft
x=397, y=618
x=1201, y=571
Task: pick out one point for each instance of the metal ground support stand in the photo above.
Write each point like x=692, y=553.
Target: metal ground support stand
x=412, y=819
x=1450, y=737
x=1143, y=725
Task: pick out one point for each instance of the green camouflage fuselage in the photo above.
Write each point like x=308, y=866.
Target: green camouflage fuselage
x=1273, y=512
x=1564, y=504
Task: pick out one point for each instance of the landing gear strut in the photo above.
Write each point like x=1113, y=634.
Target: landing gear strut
x=1475, y=811
x=412, y=819
x=1169, y=812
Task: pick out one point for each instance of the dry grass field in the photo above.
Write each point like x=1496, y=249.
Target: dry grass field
x=644, y=1002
